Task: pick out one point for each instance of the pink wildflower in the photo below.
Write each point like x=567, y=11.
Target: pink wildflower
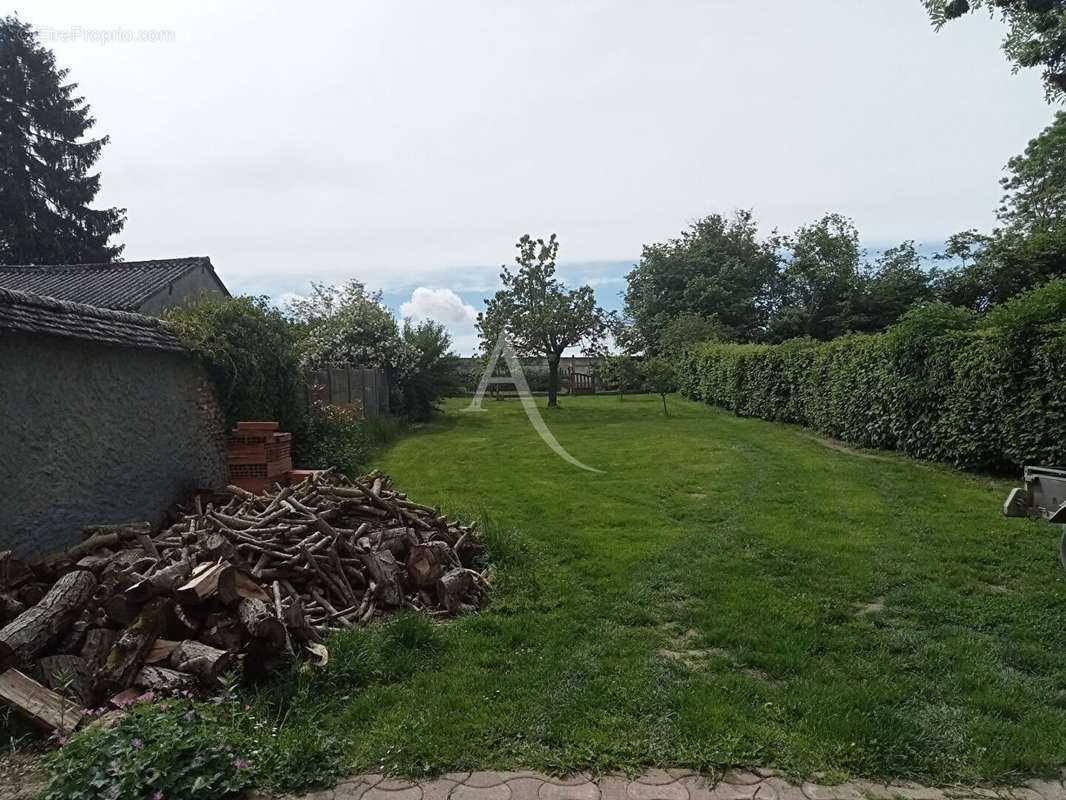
x=157, y=796
x=190, y=714
x=136, y=742
x=229, y=748
x=62, y=740
x=240, y=763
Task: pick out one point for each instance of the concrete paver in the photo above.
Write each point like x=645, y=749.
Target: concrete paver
x=662, y=784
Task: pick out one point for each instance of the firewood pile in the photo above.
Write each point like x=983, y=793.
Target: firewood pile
x=232, y=584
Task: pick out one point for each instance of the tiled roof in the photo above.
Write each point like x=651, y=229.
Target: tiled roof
x=30, y=313
x=122, y=285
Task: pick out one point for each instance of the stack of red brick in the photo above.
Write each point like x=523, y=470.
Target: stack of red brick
x=259, y=456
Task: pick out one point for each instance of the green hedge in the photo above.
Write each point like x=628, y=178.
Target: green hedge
x=943, y=385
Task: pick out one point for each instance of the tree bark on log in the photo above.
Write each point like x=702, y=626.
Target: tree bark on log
x=261, y=622
x=165, y=581
x=200, y=659
x=453, y=587
x=98, y=643
x=66, y=674
x=32, y=630
x=384, y=572
x=128, y=653
x=221, y=630
x=163, y=679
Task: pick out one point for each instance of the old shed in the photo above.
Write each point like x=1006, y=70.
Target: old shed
x=104, y=417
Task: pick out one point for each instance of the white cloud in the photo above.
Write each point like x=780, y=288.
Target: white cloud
x=286, y=299
x=442, y=305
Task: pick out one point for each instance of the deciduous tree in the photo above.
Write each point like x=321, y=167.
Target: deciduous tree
x=540, y=315
x=719, y=270
x=821, y=285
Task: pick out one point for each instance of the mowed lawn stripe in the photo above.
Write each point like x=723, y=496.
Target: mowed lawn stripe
x=727, y=591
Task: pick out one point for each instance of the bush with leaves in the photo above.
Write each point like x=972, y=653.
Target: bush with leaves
x=250, y=351
x=620, y=372
x=941, y=384
x=433, y=373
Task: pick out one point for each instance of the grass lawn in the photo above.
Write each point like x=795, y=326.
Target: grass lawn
x=727, y=592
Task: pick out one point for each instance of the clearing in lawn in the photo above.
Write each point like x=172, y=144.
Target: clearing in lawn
x=727, y=592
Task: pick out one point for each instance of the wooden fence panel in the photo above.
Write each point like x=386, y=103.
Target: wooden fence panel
x=350, y=385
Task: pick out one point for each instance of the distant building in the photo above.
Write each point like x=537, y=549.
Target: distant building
x=143, y=287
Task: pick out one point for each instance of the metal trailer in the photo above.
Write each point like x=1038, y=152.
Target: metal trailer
x=1044, y=495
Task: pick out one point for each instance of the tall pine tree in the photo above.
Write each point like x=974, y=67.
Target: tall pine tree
x=45, y=161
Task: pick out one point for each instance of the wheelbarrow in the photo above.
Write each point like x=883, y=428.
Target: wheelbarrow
x=1044, y=495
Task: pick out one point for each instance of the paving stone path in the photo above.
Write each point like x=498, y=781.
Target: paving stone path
x=658, y=784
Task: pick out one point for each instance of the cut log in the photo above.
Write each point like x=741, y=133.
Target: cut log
x=385, y=573
x=160, y=651
x=453, y=588
x=129, y=651
x=235, y=584
x=224, y=631
x=163, y=680
x=164, y=581
x=95, y=562
x=37, y=703
x=427, y=562
x=98, y=643
x=202, y=585
x=66, y=675
x=261, y=623
x=33, y=629
x=208, y=663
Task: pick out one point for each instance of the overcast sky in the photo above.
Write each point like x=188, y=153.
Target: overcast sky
x=409, y=144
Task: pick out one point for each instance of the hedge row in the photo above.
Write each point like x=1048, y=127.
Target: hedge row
x=983, y=392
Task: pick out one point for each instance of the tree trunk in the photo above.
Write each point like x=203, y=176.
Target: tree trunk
x=553, y=381
x=665, y=411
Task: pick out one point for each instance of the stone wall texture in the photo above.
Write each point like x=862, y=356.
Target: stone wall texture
x=93, y=433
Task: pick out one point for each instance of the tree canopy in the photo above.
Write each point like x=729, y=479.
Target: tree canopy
x=1036, y=34
x=1030, y=248
x=46, y=181
x=539, y=314
x=718, y=270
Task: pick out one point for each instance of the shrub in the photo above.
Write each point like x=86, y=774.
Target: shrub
x=940, y=384
x=249, y=349
x=337, y=436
